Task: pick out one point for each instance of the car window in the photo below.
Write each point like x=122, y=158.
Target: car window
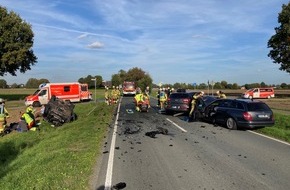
x=217, y=103
x=226, y=104
x=240, y=106
x=258, y=107
x=179, y=95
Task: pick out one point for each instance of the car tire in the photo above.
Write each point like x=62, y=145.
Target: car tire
x=167, y=112
x=250, y=97
x=36, y=104
x=231, y=124
x=269, y=97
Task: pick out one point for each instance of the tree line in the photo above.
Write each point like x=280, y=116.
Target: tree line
x=142, y=80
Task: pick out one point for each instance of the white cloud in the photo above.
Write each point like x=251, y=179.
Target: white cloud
x=95, y=45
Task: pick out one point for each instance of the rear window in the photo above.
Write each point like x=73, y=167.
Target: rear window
x=258, y=107
x=179, y=95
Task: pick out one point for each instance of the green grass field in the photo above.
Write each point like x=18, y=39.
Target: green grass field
x=55, y=158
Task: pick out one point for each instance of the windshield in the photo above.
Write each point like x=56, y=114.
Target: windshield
x=258, y=107
x=131, y=86
x=36, y=92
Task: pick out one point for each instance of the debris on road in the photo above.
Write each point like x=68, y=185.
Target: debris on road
x=120, y=185
x=132, y=129
x=160, y=130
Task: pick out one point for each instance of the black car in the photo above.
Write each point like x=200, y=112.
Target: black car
x=235, y=113
x=181, y=102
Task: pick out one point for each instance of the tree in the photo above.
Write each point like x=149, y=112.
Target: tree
x=263, y=84
x=235, y=86
x=34, y=83
x=116, y=80
x=3, y=83
x=90, y=81
x=284, y=85
x=140, y=77
x=16, y=41
x=280, y=42
x=224, y=84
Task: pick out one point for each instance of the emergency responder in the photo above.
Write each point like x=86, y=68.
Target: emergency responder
x=28, y=117
x=163, y=99
x=193, y=110
x=138, y=100
x=168, y=91
x=114, y=95
x=118, y=92
x=221, y=94
x=3, y=115
x=147, y=93
x=107, y=96
x=158, y=96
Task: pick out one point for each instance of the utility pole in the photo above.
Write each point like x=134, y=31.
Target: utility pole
x=95, y=79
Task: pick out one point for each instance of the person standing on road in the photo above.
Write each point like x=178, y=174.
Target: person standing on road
x=221, y=94
x=163, y=99
x=147, y=92
x=158, y=97
x=193, y=110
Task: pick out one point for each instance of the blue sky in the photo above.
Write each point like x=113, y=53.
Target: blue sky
x=187, y=41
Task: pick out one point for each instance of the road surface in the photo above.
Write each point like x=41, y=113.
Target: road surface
x=193, y=155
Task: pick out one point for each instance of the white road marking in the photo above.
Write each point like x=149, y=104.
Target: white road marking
x=108, y=181
x=176, y=125
x=283, y=142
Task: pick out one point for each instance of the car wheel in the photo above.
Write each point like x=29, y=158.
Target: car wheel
x=231, y=124
x=269, y=97
x=250, y=97
x=168, y=112
x=36, y=104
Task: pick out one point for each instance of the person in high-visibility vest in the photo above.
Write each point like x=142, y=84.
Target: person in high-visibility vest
x=221, y=94
x=3, y=115
x=28, y=117
x=138, y=100
x=163, y=98
x=194, y=100
x=107, y=96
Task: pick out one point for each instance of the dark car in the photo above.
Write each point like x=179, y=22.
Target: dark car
x=239, y=113
x=181, y=102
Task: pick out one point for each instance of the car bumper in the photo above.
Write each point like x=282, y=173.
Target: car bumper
x=177, y=108
x=28, y=103
x=253, y=125
x=129, y=93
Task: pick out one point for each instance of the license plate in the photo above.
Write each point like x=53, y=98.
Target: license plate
x=263, y=116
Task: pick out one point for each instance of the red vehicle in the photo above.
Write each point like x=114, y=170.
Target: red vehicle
x=129, y=88
x=259, y=93
x=73, y=92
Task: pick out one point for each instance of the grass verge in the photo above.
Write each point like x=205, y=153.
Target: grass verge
x=281, y=129
x=55, y=158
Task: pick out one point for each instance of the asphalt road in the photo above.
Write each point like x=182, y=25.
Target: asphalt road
x=193, y=155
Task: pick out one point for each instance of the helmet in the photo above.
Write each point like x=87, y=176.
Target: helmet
x=202, y=92
x=218, y=92
x=29, y=109
x=2, y=100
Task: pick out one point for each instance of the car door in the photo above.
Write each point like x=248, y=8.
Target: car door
x=256, y=93
x=222, y=110
x=210, y=110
